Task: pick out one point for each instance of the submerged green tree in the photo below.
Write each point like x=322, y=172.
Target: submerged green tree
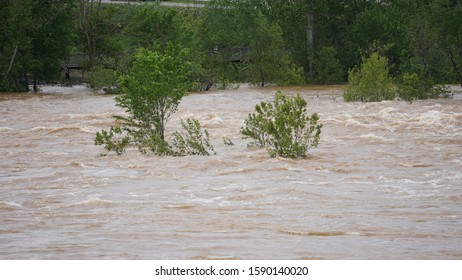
x=283, y=127
x=372, y=82
x=410, y=87
x=151, y=93
x=154, y=87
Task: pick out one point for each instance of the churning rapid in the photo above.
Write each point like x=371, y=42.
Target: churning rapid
x=384, y=183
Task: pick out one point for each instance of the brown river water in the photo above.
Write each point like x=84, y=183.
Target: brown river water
x=384, y=183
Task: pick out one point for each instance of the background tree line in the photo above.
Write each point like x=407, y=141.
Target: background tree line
x=256, y=41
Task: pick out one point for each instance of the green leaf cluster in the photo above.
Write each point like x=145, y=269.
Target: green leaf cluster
x=193, y=141
x=283, y=127
x=113, y=140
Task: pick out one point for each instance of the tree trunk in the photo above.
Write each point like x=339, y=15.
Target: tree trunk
x=262, y=76
x=11, y=62
x=456, y=69
x=26, y=83
x=259, y=60
x=88, y=23
x=310, y=43
x=35, y=83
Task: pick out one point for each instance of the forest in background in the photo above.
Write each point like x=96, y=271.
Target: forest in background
x=249, y=41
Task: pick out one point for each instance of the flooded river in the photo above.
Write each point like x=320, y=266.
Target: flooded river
x=384, y=183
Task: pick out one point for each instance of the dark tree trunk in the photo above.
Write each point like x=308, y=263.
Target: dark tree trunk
x=456, y=69
x=26, y=83
x=35, y=83
x=310, y=43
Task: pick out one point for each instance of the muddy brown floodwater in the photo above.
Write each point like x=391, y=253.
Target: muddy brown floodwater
x=384, y=183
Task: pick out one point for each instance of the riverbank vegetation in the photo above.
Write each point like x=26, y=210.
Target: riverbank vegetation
x=258, y=42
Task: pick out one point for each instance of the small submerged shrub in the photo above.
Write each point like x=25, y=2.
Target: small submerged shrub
x=114, y=140
x=283, y=127
x=193, y=140
x=442, y=91
x=412, y=87
x=371, y=82
x=103, y=78
x=228, y=142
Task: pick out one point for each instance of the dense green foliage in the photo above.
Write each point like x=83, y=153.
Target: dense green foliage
x=114, y=140
x=102, y=78
x=371, y=82
x=247, y=45
x=411, y=87
x=151, y=92
x=34, y=36
x=328, y=67
x=259, y=42
x=153, y=88
x=283, y=127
